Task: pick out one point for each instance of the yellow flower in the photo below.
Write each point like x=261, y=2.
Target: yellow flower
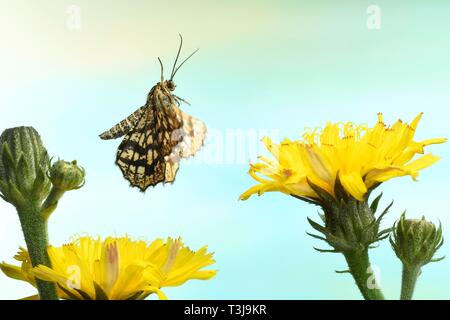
x=175, y=264
x=115, y=268
x=359, y=156
x=20, y=273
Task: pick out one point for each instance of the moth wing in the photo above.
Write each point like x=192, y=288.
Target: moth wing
x=139, y=156
x=193, y=135
x=144, y=156
x=125, y=126
x=172, y=166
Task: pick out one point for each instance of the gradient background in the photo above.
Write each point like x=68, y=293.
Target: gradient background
x=263, y=65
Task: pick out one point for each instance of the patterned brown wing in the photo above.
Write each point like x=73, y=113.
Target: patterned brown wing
x=125, y=126
x=191, y=137
x=144, y=154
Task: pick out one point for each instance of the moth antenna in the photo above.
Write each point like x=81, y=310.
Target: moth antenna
x=184, y=61
x=162, y=70
x=178, y=55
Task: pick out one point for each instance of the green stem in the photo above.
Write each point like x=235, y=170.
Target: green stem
x=358, y=263
x=51, y=202
x=34, y=228
x=409, y=279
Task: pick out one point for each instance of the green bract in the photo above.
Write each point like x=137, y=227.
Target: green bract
x=349, y=225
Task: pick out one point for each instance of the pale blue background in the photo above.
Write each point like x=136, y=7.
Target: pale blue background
x=263, y=65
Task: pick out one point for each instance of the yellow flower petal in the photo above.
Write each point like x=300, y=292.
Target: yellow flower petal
x=363, y=156
x=433, y=141
x=353, y=183
x=204, y=275
x=382, y=175
x=421, y=163
x=12, y=271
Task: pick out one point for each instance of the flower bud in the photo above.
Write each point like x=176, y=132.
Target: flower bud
x=67, y=176
x=24, y=164
x=416, y=241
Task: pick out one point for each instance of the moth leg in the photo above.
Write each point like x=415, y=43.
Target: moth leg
x=178, y=99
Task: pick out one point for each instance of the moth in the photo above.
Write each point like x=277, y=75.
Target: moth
x=157, y=135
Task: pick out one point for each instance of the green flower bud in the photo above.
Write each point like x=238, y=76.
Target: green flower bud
x=67, y=176
x=24, y=164
x=416, y=241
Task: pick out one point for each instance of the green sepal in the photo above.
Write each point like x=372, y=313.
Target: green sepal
x=326, y=250
x=41, y=185
x=8, y=164
x=99, y=292
x=14, y=196
x=385, y=211
x=323, y=194
x=335, y=242
x=317, y=226
x=437, y=259
x=322, y=217
x=24, y=173
x=381, y=238
x=384, y=231
x=316, y=236
x=83, y=294
x=339, y=190
x=375, y=202
x=342, y=271
x=376, y=223
x=308, y=200
x=71, y=295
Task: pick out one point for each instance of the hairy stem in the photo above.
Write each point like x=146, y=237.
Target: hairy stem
x=51, y=202
x=359, y=266
x=34, y=228
x=409, y=279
